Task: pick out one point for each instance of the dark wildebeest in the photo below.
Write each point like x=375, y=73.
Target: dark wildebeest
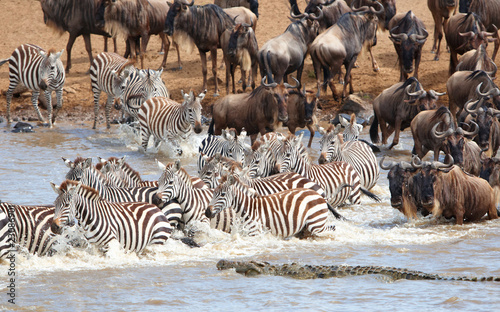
x=490, y=171
x=285, y=54
x=462, y=85
x=341, y=44
x=464, y=32
x=332, y=11
x=383, y=17
x=301, y=107
x=396, y=107
x=75, y=17
x=489, y=12
x=240, y=47
x=449, y=192
x=408, y=34
x=441, y=11
x=477, y=60
x=486, y=117
x=257, y=112
x=201, y=25
x=252, y=5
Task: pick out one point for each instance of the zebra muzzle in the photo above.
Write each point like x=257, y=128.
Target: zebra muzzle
x=209, y=213
x=43, y=84
x=156, y=200
x=322, y=159
x=56, y=229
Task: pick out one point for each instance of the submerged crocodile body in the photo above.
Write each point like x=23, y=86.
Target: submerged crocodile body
x=298, y=271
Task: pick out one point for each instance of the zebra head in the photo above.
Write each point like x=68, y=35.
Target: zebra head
x=121, y=78
x=77, y=168
x=51, y=68
x=168, y=183
x=151, y=84
x=328, y=143
x=223, y=197
x=114, y=171
x=210, y=173
x=64, y=214
x=192, y=109
x=291, y=153
x=352, y=129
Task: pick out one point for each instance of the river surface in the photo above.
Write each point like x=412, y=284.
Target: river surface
x=176, y=277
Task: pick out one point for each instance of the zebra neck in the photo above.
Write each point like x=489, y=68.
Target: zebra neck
x=184, y=123
x=245, y=206
x=302, y=166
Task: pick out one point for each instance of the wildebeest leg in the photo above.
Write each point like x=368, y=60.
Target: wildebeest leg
x=213, y=55
x=299, y=74
x=348, y=77
x=397, y=130
x=243, y=80
x=69, y=46
x=418, y=55
x=459, y=215
x=438, y=35
x=144, y=45
x=166, y=47
x=383, y=129
x=311, y=135
x=374, y=62
x=453, y=62
x=254, y=75
x=179, y=63
x=253, y=137
x=88, y=47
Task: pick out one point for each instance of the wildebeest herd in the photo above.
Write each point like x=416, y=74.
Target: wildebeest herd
x=271, y=185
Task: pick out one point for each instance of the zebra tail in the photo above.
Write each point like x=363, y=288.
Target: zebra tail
x=335, y=213
x=370, y=194
x=374, y=130
x=210, y=130
x=189, y=241
x=3, y=61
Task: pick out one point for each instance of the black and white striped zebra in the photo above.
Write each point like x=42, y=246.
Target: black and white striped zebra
x=175, y=183
x=82, y=170
x=165, y=119
x=333, y=177
x=29, y=226
x=297, y=212
x=143, y=85
x=352, y=129
x=357, y=153
x=38, y=70
x=110, y=73
x=134, y=225
x=228, y=144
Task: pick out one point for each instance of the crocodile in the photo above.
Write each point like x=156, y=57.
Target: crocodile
x=299, y=271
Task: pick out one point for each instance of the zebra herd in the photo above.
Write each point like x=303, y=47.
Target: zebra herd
x=109, y=201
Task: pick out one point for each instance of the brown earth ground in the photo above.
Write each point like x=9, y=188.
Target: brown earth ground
x=22, y=22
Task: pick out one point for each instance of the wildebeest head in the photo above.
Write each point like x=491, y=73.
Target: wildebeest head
x=490, y=171
x=310, y=103
x=476, y=34
x=240, y=36
x=410, y=35
x=453, y=140
x=51, y=67
x=280, y=94
x=192, y=105
x=389, y=11
x=369, y=21
x=423, y=99
x=178, y=8
x=398, y=175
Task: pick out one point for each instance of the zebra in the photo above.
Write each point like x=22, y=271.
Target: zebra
x=228, y=144
x=339, y=179
x=166, y=119
x=351, y=128
x=217, y=166
x=175, y=183
x=110, y=73
x=297, y=212
x=29, y=226
x=357, y=153
x=39, y=71
x=135, y=225
x=82, y=170
x=143, y=85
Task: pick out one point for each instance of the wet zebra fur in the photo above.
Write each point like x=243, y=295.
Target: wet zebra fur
x=135, y=225
x=39, y=71
x=165, y=119
x=297, y=212
x=109, y=72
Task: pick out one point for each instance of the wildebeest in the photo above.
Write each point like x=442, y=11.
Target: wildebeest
x=477, y=59
x=396, y=106
x=408, y=34
x=448, y=192
x=383, y=17
x=201, y=25
x=462, y=85
x=340, y=45
x=488, y=137
x=489, y=12
x=464, y=32
x=332, y=11
x=398, y=176
x=253, y=5
x=301, y=107
x=441, y=11
x=285, y=54
x=240, y=47
x=257, y=112
x=490, y=171
x=75, y=17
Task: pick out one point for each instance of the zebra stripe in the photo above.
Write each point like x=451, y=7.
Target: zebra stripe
x=357, y=153
x=165, y=119
x=39, y=71
x=228, y=145
x=135, y=225
x=30, y=226
x=297, y=212
x=175, y=183
x=110, y=73
x=352, y=128
x=143, y=85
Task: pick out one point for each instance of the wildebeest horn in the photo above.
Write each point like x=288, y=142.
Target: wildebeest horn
x=416, y=162
x=470, y=103
x=247, y=25
x=402, y=37
x=270, y=85
x=419, y=38
x=491, y=34
x=467, y=34
x=440, y=135
x=354, y=9
x=494, y=91
x=191, y=4
x=290, y=86
x=301, y=15
x=438, y=164
x=494, y=112
x=418, y=93
x=494, y=71
x=435, y=94
x=380, y=10
x=473, y=133
x=234, y=19
x=388, y=166
x=316, y=17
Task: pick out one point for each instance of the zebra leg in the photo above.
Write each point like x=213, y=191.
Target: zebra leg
x=59, y=97
x=145, y=134
x=48, y=100
x=107, y=110
x=34, y=101
x=97, y=95
x=10, y=92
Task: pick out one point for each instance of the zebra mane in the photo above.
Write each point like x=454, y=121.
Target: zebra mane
x=84, y=189
x=127, y=168
x=130, y=62
x=51, y=51
x=78, y=160
x=185, y=177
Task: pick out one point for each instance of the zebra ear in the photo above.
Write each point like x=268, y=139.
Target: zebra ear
x=321, y=130
x=243, y=134
x=77, y=188
x=160, y=165
x=101, y=160
x=42, y=53
x=337, y=129
x=58, y=54
x=158, y=73
x=343, y=121
x=87, y=163
x=141, y=73
x=68, y=163
x=177, y=164
x=340, y=139
x=300, y=137
x=56, y=188
x=121, y=161
x=201, y=96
